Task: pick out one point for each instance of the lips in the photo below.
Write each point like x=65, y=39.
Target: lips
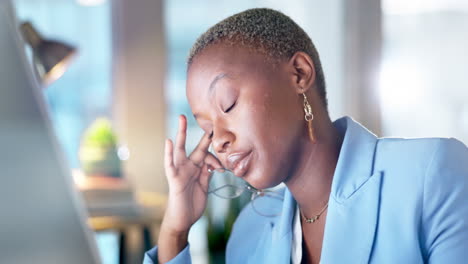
x=238, y=163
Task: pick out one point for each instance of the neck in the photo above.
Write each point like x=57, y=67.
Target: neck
x=311, y=179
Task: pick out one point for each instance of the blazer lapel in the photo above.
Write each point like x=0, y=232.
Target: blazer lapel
x=350, y=226
x=354, y=199
x=278, y=246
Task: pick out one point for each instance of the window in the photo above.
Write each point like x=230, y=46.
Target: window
x=423, y=79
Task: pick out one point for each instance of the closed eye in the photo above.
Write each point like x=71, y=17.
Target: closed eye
x=230, y=108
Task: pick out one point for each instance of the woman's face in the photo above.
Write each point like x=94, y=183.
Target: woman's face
x=252, y=108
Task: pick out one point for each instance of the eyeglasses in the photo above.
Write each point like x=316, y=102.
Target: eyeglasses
x=224, y=184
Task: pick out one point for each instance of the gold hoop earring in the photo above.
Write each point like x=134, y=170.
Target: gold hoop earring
x=309, y=116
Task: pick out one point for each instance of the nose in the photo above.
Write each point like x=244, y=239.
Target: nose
x=222, y=140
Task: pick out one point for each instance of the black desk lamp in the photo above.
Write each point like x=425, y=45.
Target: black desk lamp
x=51, y=58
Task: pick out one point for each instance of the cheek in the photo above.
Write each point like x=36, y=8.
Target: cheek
x=270, y=118
x=271, y=129
x=278, y=119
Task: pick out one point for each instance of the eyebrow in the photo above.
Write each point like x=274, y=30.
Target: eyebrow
x=213, y=85
x=215, y=80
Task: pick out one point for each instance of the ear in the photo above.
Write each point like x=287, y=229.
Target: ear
x=303, y=71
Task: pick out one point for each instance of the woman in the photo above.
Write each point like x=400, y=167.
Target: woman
x=255, y=85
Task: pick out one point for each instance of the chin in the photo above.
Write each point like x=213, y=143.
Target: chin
x=260, y=179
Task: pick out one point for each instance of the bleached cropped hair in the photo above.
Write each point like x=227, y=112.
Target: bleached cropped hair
x=267, y=31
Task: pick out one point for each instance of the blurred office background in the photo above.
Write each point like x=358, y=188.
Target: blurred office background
x=398, y=67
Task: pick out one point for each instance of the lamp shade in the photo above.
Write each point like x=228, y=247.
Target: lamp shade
x=51, y=58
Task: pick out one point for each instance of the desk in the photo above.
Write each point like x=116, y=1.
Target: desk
x=136, y=234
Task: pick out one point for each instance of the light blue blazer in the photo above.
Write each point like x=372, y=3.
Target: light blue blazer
x=393, y=200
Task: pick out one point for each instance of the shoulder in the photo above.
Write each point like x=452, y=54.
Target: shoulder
x=424, y=154
x=431, y=173
x=446, y=173
x=449, y=156
x=446, y=176
x=402, y=148
x=435, y=164
x=419, y=145
x=445, y=197
x=409, y=160
x=419, y=163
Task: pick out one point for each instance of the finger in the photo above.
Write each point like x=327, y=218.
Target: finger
x=199, y=154
x=205, y=177
x=179, y=150
x=168, y=158
x=212, y=161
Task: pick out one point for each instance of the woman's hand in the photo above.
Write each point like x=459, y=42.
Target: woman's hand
x=188, y=179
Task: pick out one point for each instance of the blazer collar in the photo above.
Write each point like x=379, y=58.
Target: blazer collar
x=356, y=160
x=353, y=203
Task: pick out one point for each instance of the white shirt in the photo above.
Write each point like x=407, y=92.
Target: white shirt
x=296, y=249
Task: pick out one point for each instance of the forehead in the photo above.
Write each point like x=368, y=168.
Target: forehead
x=232, y=61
